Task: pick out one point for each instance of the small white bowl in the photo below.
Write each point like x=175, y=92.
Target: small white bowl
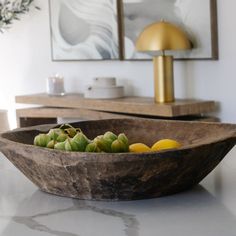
x=104, y=92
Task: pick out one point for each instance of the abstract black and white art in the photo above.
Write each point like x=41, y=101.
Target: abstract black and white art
x=193, y=16
x=84, y=29
x=108, y=29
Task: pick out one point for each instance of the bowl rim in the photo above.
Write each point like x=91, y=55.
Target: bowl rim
x=116, y=156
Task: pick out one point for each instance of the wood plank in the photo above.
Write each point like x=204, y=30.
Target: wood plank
x=42, y=115
x=26, y=121
x=127, y=105
x=51, y=112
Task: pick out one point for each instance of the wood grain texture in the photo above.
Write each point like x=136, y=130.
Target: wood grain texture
x=29, y=121
x=122, y=176
x=40, y=115
x=52, y=112
x=127, y=105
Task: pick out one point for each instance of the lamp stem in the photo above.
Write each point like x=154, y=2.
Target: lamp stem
x=163, y=79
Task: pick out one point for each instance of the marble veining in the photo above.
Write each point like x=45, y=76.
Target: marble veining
x=131, y=225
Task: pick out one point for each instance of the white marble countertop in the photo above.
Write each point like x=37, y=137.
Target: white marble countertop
x=207, y=210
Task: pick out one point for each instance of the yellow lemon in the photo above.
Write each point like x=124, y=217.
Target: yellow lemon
x=165, y=144
x=139, y=147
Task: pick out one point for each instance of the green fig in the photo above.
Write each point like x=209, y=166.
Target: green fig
x=123, y=138
x=118, y=146
x=51, y=144
x=71, y=132
x=110, y=135
x=91, y=147
x=68, y=146
x=81, y=140
x=54, y=133
x=60, y=146
x=71, y=145
x=75, y=147
x=41, y=140
x=97, y=138
x=62, y=137
x=37, y=140
x=104, y=144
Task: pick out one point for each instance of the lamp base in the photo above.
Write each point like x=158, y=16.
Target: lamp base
x=163, y=79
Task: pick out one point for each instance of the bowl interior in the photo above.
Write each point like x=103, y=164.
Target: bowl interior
x=139, y=130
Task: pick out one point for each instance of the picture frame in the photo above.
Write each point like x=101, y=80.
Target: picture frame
x=184, y=13
x=80, y=32
x=127, y=19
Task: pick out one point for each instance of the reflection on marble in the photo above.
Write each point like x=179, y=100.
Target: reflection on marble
x=208, y=210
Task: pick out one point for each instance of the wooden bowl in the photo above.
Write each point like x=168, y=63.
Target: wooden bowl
x=123, y=176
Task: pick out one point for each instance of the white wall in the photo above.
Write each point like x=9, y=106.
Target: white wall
x=25, y=62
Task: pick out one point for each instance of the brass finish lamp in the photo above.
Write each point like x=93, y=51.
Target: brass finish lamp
x=163, y=36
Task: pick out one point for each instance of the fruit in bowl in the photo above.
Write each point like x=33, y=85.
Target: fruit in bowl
x=69, y=138
x=123, y=175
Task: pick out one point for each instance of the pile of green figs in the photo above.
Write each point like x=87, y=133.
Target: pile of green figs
x=68, y=138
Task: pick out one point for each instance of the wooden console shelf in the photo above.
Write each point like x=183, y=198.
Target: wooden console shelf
x=76, y=106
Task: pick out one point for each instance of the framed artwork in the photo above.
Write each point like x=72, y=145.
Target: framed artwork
x=84, y=29
x=108, y=29
x=198, y=18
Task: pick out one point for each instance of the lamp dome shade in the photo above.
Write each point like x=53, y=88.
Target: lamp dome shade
x=162, y=36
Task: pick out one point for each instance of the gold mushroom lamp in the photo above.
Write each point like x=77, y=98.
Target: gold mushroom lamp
x=159, y=37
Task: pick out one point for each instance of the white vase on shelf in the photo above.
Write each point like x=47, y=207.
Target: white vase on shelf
x=104, y=88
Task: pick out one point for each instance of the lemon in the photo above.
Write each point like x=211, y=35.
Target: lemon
x=165, y=144
x=139, y=147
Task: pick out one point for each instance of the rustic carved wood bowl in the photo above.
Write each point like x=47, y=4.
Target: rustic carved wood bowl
x=124, y=176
